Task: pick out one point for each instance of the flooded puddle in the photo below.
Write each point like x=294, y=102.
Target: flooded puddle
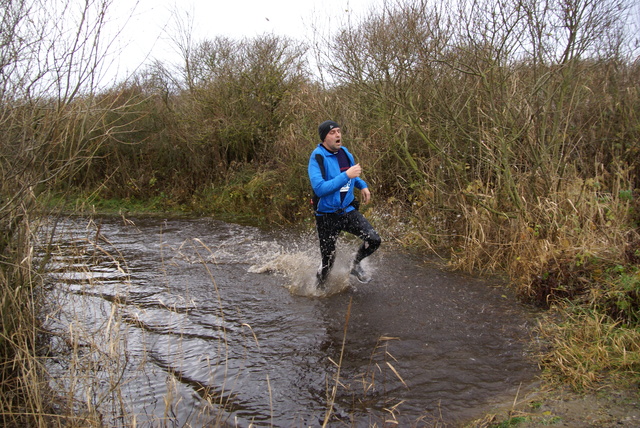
x=197, y=322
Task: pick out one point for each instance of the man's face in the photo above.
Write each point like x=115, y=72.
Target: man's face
x=333, y=140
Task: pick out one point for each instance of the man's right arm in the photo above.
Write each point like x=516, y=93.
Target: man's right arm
x=354, y=171
x=323, y=187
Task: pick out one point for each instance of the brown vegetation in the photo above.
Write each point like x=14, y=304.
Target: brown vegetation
x=503, y=136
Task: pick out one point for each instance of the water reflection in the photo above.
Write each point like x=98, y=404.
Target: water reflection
x=218, y=323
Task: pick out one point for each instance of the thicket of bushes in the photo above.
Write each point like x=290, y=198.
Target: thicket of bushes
x=504, y=133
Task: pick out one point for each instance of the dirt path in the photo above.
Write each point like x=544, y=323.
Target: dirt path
x=564, y=408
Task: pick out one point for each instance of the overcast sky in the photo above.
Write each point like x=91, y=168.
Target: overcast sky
x=151, y=23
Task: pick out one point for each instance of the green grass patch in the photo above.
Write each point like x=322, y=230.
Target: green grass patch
x=511, y=422
x=91, y=204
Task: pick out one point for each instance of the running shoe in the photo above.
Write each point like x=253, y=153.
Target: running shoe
x=359, y=273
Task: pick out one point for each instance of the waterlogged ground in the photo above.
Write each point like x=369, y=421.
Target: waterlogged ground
x=197, y=322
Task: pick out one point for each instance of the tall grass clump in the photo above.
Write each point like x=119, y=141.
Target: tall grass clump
x=589, y=349
x=48, y=122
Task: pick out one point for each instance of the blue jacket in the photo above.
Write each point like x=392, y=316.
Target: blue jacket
x=328, y=190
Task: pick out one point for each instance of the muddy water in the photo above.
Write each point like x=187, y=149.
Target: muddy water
x=197, y=322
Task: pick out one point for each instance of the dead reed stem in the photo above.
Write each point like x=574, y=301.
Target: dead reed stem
x=334, y=389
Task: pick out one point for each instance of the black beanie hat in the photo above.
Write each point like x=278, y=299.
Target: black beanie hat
x=325, y=127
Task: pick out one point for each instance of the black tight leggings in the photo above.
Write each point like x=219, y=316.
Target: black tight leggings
x=329, y=227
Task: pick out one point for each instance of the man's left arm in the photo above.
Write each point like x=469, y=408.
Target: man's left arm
x=364, y=190
x=366, y=195
x=362, y=185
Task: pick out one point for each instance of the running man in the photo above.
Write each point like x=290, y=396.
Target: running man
x=334, y=175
